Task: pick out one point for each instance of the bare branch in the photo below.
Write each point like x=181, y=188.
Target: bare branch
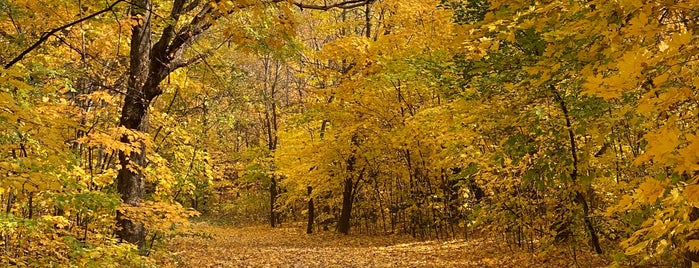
x=341, y=5
x=201, y=56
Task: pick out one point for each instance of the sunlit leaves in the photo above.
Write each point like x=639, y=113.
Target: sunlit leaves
x=496, y=114
x=159, y=217
x=662, y=145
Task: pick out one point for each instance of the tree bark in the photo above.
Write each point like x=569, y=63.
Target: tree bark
x=343, y=225
x=311, y=212
x=349, y=191
x=272, y=200
x=134, y=116
x=692, y=257
x=579, y=197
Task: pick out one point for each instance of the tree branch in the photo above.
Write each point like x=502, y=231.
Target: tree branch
x=341, y=5
x=203, y=20
x=45, y=36
x=160, y=47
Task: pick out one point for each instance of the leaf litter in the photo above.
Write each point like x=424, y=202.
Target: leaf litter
x=261, y=246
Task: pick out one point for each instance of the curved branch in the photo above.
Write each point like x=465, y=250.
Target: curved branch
x=45, y=36
x=341, y=5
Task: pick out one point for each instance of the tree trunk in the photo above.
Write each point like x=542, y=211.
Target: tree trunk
x=134, y=116
x=692, y=257
x=311, y=212
x=588, y=222
x=343, y=225
x=272, y=200
x=579, y=197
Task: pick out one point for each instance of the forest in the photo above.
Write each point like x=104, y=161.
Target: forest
x=501, y=133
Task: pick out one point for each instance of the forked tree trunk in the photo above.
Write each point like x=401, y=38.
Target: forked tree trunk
x=149, y=63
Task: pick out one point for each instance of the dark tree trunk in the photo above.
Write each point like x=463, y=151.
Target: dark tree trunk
x=588, y=222
x=579, y=197
x=311, y=212
x=130, y=180
x=692, y=256
x=30, y=205
x=10, y=200
x=343, y=225
x=134, y=116
x=272, y=200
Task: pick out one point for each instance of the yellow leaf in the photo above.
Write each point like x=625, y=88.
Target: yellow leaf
x=661, y=145
x=630, y=65
x=639, y=24
x=692, y=194
x=659, y=80
x=632, y=3
x=679, y=40
x=688, y=160
x=650, y=190
x=662, y=245
x=635, y=249
x=693, y=245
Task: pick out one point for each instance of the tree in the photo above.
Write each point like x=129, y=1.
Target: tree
x=598, y=58
x=152, y=61
x=352, y=128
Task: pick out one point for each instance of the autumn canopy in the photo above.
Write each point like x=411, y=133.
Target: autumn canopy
x=566, y=128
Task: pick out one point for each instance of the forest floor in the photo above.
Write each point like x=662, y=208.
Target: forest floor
x=260, y=246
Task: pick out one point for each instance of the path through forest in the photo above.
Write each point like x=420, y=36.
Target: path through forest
x=290, y=247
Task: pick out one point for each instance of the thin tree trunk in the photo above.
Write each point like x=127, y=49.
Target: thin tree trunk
x=311, y=212
x=30, y=206
x=692, y=257
x=272, y=201
x=10, y=200
x=579, y=197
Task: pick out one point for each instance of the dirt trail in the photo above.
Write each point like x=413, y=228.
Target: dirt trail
x=291, y=247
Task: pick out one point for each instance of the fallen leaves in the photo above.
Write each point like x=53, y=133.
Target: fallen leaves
x=290, y=247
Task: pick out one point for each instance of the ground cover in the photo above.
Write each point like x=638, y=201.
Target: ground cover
x=259, y=246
